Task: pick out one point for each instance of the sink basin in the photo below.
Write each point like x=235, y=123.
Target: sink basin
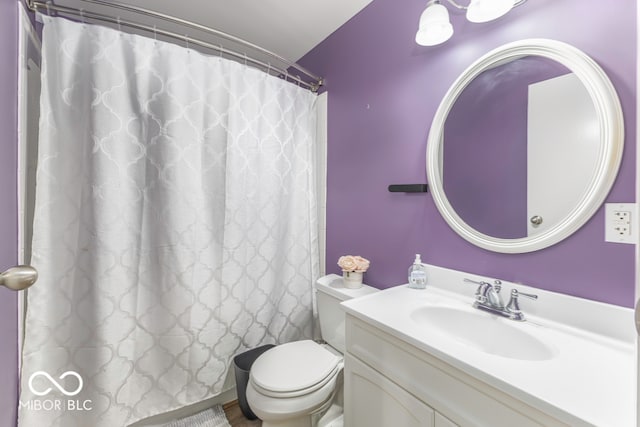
x=482, y=331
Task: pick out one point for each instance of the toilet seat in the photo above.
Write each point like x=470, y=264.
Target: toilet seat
x=275, y=408
x=294, y=369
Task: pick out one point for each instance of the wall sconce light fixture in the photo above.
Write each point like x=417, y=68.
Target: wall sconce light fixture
x=435, y=28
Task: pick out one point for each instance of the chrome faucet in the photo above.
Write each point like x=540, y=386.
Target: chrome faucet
x=488, y=298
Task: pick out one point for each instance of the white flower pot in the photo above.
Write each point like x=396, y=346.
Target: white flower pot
x=352, y=279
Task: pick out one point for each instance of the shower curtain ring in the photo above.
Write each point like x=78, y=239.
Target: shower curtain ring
x=186, y=39
x=221, y=49
x=155, y=33
x=82, y=16
x=268, y=68
x=119, y=25
x=245, y=59
x=48, y=4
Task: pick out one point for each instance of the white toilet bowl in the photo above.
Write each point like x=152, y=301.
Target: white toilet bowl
x=292, y=382
x=299, y=384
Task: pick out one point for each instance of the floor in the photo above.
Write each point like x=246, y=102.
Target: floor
x=236, y=418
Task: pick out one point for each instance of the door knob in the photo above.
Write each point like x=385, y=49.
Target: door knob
x=536, y=220
x=19, y=277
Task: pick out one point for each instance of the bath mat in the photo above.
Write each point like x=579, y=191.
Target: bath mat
x=212, y=417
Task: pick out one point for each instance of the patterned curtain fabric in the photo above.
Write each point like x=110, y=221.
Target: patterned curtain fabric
x=175, y=225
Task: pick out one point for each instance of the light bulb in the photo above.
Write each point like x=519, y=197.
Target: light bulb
x=488, y=10
x=434, y=26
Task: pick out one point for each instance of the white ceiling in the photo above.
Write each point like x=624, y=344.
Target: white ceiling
x=290, y=28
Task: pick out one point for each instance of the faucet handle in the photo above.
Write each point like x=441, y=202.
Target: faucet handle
x=516, y=293
x=513, y=307
x=481, y=292
x=474, y=281
x=483, y=286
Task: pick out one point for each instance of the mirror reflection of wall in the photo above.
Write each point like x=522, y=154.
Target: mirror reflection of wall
x=491, y=120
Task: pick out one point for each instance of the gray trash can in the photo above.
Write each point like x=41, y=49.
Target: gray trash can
x=242, y=365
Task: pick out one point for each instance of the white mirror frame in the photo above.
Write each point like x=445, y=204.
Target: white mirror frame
x=608, y=110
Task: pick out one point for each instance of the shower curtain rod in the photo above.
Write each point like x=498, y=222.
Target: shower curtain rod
x=49, y=8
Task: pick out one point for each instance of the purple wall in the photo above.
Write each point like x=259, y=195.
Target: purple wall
x=383, y=93
x=8, y=209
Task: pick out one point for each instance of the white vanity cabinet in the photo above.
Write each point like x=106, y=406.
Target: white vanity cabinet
x=390, y=383
x=374, y=400
x=429, y=358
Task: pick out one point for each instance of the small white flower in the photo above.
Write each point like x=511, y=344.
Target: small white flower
x=353, y=263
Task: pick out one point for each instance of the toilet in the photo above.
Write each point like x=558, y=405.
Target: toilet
x=299, y=384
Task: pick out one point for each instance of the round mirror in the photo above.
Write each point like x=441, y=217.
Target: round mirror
x=548, y=115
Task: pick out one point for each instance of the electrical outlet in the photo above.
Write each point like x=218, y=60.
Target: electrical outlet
x=619, y=223
x=622, y=223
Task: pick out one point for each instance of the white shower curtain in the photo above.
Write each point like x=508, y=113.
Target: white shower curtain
x=175, y=225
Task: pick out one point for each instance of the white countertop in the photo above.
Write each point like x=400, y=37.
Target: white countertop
x=591, y=378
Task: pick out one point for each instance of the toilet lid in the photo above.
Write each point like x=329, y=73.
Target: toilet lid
x=293, y=367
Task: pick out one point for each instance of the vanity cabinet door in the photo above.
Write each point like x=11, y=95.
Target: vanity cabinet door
x=372, y=400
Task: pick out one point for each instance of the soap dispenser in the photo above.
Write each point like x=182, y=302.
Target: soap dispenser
x=417, y=274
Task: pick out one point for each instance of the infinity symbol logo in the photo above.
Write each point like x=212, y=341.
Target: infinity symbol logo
x=55, y=383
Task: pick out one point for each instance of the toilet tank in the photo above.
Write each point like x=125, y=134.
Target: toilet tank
x=330, y=292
